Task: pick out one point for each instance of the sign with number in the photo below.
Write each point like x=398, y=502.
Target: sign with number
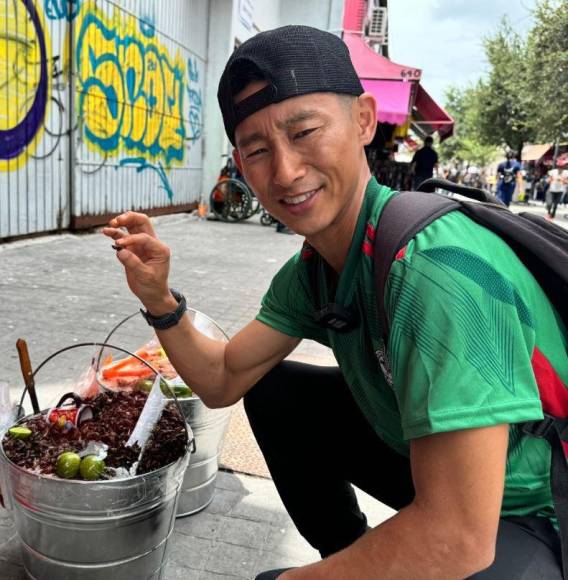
x=411, y=73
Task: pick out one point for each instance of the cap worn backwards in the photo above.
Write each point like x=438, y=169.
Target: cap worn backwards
x=294, y=60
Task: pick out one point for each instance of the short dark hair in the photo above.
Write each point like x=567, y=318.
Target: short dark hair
x=428, y=140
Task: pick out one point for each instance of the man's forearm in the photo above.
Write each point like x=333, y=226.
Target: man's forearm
x=199, y=360
x=409, y=545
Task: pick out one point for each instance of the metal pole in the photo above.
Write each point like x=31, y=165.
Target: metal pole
x=72, y=137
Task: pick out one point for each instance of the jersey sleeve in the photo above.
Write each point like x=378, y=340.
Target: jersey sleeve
x=460, y=344
x=288, y=307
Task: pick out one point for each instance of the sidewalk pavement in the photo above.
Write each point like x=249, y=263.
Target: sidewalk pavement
x=61, y=290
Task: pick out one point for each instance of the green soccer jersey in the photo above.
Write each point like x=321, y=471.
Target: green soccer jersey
x=468, y=321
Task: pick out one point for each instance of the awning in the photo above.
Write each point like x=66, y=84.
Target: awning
x=370, y=65
x=428, y=117
x=393, y=99
x=535, y=152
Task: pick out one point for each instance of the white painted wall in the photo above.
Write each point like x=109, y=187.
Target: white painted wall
x=323, y=14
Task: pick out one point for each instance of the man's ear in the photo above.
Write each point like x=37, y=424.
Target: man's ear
x=367, y=117
x=238, y=160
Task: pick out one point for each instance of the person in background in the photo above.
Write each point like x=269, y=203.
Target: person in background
x=557, y=180
x=507, y=174
x=424, y=162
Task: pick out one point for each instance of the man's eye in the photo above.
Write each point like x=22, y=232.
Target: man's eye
x=255, y=153
x=304, y=133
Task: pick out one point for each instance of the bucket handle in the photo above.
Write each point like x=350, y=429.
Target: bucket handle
x=4, y=495
x=103, y=345
x=137, y=313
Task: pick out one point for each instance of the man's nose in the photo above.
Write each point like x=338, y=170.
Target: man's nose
x=288, y=166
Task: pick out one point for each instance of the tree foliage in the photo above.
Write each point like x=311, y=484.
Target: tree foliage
x=547, y=70
x=503, y=110
x=524, y=95
x=465, y=146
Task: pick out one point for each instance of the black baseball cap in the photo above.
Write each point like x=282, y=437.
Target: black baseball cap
x=295, y=60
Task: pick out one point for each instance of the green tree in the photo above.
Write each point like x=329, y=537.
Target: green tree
x=503, y=111
x=547, y=67
x=465, y=145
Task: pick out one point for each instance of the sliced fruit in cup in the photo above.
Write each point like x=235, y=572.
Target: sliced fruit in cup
x=19, y=432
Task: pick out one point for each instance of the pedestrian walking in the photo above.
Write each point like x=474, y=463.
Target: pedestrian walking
x=507, y=175
x=557, y=179
x=430, y=426
x=424, y=162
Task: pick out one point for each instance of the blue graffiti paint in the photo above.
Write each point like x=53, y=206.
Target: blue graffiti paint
x=195, y=102
x=62, y=9
x=141, y=106
x=142, y=164
x=147, y=26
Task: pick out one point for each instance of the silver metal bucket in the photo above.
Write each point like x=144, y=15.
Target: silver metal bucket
x=82, y=530
x=208, y=426
x=93, y=530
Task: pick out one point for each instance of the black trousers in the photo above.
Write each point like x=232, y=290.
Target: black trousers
x=317, y=443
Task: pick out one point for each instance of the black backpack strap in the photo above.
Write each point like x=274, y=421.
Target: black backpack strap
x=430, y=185
x=555, y=431
x=404, y=215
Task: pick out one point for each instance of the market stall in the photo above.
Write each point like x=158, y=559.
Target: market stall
x=404, y=109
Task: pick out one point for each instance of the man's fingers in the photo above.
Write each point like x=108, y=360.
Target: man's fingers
x=134, y=222
x=114, y=233
x=130, y=260
x=143, y=244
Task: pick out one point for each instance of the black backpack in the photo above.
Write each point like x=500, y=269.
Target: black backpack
x=508, y=172
x=543, y=249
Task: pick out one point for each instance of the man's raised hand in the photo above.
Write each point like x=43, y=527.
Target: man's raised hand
x=145, y=258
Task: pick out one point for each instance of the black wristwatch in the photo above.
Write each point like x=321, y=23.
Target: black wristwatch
x=171, y=318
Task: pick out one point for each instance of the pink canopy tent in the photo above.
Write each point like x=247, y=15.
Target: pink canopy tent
x=389, y=82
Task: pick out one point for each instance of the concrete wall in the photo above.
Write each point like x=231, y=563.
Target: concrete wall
x=323, y=14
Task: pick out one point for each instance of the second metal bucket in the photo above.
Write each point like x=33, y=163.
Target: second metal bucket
x=208, y=426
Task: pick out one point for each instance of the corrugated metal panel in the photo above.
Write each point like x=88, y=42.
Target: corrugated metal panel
x=129, y=137
x=139, y=105
x=34, y=118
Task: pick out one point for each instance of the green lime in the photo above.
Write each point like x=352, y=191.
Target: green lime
x=20, y=432
x=92, y=467
x=68, y=465
x=182, y=391
x=145, y=385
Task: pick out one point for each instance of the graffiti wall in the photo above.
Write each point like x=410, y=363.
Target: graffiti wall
x=100, y=110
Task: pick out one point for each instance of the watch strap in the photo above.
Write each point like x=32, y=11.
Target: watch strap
x=169, y=319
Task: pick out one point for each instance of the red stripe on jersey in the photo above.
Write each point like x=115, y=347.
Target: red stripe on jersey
x=371, y=231
x=400, y=254
x=307, y=251
x=367, y=248
x=553, y=392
